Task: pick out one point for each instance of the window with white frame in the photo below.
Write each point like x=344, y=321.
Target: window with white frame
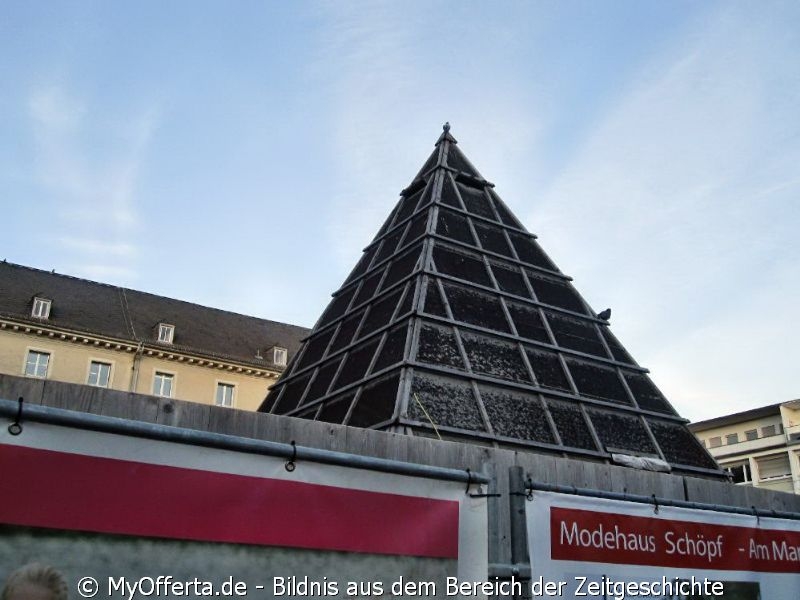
x=224, y=394
x=163, y=384
x=41, y=308
x=36, y=363
x=740, y=473
x=99, y=374
x=165, y=333
x=774, y=467
x=279, y=356
x=751, y=434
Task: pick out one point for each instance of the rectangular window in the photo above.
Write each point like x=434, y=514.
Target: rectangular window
x=740, y=473
x=715, y=442
x=768, y=430
x=751, y=434
x=36, y=364
x=224, y=394
x=732, y=438
x=165, y=333
x=99, y=374
x=774, y=467
x=162, y=384
x=41, y=308
x=279, y=357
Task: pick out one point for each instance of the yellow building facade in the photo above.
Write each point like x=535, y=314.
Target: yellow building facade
x=758, y=447
x=67, y=329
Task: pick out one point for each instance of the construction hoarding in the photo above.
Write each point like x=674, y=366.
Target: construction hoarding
x=112, y=512
x=594, y=547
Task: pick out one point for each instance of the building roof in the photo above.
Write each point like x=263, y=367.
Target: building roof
x=740, y=417
x=456, y=323
x=88, y=307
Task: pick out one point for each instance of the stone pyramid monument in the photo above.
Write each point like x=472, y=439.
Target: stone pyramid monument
x=456, y=324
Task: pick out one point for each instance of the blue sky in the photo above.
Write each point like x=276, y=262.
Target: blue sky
x=240, y=155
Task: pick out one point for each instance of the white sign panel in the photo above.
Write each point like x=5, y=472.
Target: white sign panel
x=585, y=547
x=124, y=517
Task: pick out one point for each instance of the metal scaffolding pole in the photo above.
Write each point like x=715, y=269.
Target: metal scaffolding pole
x=153, y=431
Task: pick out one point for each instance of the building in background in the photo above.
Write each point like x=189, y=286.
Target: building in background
x=58, y=327
x=759, y=447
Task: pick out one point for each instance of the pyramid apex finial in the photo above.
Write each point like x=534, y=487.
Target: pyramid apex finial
x=446, y=134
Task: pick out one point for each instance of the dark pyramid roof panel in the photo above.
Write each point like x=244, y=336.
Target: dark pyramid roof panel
x=434, y=305
x=456, y=160
x=433, y=161
x=445, y=401
x=335, y=411
x=476, y=201
x=517, y=415
x=548, y=369
x=448, y=193
x=438, y=345
x=622, y=432
x=528, y=322
x=503, y=212
x=456, y=322
x=571, y=425
x=679, y=445
x=509, y=278
x=451, y=224
x=377, y=402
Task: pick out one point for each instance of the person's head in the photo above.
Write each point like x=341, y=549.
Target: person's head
x=35, y=582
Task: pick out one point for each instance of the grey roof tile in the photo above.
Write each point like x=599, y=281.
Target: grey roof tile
x=130, y=315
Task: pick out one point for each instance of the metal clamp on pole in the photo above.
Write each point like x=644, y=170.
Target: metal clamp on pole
x=16, y=427
x=527, y=490
x=470, y=481
x=290, y=464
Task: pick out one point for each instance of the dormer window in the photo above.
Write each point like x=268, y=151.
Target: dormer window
x=41, y=308
x=279, y=356
x=165, y=333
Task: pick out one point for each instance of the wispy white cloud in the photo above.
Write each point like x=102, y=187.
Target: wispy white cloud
x=90, y=167
x=390, y=72
x=680, y=212
x=677, y=209
x=99, y=248
x=51, y=108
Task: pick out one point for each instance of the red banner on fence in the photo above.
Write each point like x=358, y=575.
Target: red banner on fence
x=606, y=537
x=65, y=491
